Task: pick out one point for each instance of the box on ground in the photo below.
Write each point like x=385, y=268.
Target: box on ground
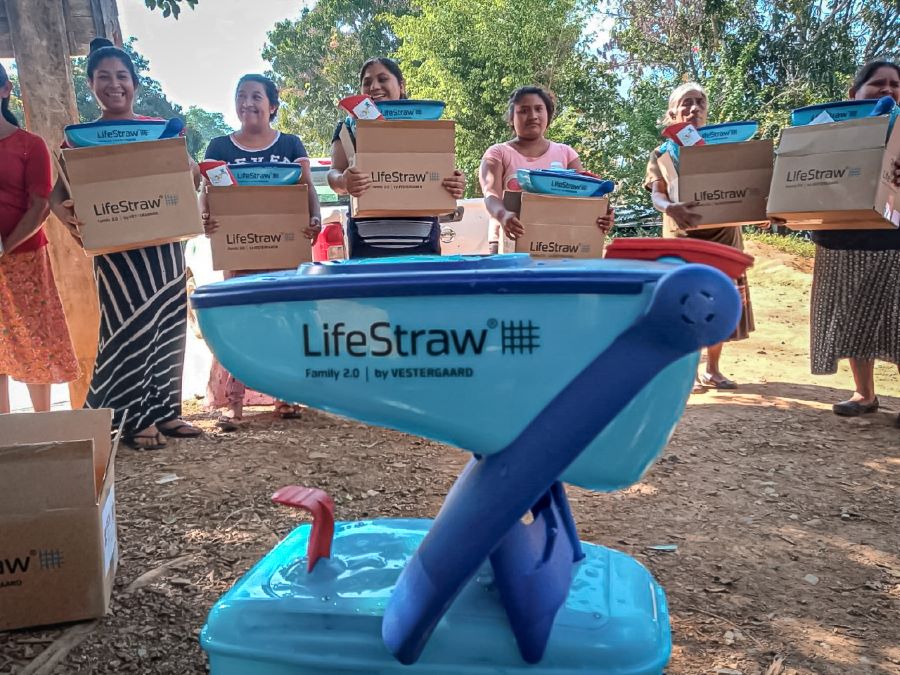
x=837, y=176
x=132, y=195
x=260, y=227
x=58, y=547
x=407, y=161
x=555, y=226
x=729, y=181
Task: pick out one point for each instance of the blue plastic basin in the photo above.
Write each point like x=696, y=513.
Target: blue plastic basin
x=563, y=182
x=728, y=132
x=411, y=109
x=114, y=132
x=266, y=173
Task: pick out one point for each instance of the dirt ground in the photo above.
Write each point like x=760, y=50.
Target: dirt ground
x=785, y=518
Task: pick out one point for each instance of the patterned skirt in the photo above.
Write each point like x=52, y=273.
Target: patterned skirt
x=35, y=346
x=143, y=323
x=855, y=308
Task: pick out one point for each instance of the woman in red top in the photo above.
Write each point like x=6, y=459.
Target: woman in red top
x=35, y=347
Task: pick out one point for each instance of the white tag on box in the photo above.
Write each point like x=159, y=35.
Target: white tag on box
x=822, y=118
x=219, y=176
x=366, y=110
x=689, y=136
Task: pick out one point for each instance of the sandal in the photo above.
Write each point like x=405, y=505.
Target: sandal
x=724, y=383
x=286, y=411
x=854, y=408
x=698, y=388
x=157, y=442
x=225, y=423
x=180, y=429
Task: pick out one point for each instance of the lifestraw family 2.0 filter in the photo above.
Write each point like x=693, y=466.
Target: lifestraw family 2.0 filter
x=411, y=109
x=728, y=132
x=115, y=132
x=266, y=173
x=563, y=183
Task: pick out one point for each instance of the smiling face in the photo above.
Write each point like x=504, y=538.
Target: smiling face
x=884, y=82
x=252, y=105
x=113, y=86
x=691, y=108
x=380, y=84
x=530, y=117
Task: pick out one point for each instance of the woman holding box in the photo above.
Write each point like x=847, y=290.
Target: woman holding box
x=35, y=347
x=529, y=113
x=855, y=312
x=143, y=297
x=688, y=103
x=381, y=80
x=256, y=103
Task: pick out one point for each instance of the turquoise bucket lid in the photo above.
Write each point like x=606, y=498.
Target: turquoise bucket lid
x=266, y=173
x=411, y=109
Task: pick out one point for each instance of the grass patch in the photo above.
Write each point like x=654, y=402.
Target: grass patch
x=792, y=244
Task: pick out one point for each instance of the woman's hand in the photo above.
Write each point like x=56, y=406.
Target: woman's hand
x=315, y=226
x=511, y=225
x=356, y=181
x=70, y=219
x=455, y=184
x=682, y=214
x=210, y=224
x=607, y=222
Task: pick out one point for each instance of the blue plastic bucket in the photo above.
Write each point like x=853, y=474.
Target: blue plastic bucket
x=563, y=182
x=838, y=111
x=266, y=173
x=114, y=132
x=411, y=109
x=728, y=132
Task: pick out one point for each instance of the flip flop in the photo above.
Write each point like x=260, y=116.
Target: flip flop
x=225, y=423
x=724, y=383
x=698, y=388
x=178, y=431
x=286, y=411
x=132, y=442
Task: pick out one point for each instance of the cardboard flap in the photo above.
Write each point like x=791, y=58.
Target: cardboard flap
x=538, y=209
x=702, y=159
x=45, y=476
x=252, y=200
x=127, y=160
x=861, y=134
x=406, y=136
x=669, y=174
x=347, y=143
x=63, y=427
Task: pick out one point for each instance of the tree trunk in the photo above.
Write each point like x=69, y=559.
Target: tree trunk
x=41, y=49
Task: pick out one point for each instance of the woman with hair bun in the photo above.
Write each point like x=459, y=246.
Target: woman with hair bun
x=35, y=347
x=143, y=297
x=529, y=112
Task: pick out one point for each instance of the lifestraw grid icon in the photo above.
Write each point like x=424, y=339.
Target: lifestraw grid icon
x=171, y=200
x=519, y=337
x=435, y=176
x=51, y=559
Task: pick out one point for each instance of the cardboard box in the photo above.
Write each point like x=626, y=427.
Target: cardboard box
x=58, y=547
x=132, y=195
x=407, y=160
x=730, y=181
x=556, y=227
x=837, y=176
x=260, y=227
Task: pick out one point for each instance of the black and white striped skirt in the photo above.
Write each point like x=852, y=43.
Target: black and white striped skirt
x=143, y=320
x=855, y=308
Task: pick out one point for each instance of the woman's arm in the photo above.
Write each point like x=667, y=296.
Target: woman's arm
x=680, y=212
x=343, y=178
x=29, y=224
x=63, y=207
x=315, y=212
x=607, y=222
x=491, y=178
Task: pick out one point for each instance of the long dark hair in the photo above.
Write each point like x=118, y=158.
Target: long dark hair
x=4, y=103
x=867, y=71
x=268, y=85
x=547, y=97
x=101, y=48
x=392, y=67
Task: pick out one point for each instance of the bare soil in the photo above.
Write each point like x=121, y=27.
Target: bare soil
x=785, y=517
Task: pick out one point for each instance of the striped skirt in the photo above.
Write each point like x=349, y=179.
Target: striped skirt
x=143, y=321
x=855, y=308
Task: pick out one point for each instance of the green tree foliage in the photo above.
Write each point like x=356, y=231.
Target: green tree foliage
x=169, y=7
x=203, y=126
x=316, y=58
x=473, y=55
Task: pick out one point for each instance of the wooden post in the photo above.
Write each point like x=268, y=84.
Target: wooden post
x=41, y=47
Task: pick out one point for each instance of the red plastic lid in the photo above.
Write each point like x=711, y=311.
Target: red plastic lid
x=724, y=258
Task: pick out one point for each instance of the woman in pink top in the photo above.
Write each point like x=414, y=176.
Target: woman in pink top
x=529, y=113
